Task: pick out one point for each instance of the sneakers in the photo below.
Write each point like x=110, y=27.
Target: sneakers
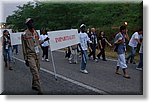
x=139, y=68
x=84, y=71
x=96, y=60
x=47, y=60
x=43, y=59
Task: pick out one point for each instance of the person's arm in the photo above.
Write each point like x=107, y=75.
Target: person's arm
x=100, y=44
x=119, y=39
x=126, y=35
x=24, y=47
x=108, y=42
x=136, y=37
x=138, y=41
x=24, y=50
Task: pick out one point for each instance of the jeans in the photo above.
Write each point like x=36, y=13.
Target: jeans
x=93, y=47
x=132, y=54
x=15, y=47
x=84, y=60
x=7, y=53
x=140, y=65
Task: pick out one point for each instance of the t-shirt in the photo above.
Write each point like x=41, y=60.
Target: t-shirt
x=93, y=38
x=103, y=41
x=83, y=40
x=46, y=43
x=133, y=42
x=121, y=46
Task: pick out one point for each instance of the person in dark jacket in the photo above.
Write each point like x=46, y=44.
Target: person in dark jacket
x=102, y=40
x=7, y=49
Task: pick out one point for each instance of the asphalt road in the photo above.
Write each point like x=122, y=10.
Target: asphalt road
x=101, y=79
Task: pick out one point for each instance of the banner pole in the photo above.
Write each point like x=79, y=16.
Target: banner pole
x=53, y=65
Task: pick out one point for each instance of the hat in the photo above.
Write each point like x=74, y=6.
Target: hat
x=82, y=25
x=28, y=19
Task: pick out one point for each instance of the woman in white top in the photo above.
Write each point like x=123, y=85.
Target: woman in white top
x=44, y=45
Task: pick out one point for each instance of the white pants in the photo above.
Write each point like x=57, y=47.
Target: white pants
x=73, y=56
x=121, y=61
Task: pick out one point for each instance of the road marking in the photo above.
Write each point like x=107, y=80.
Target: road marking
x=71, y=80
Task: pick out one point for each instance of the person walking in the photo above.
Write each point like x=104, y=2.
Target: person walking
x=93, y=38
x=120, y=43
x=15, y=47
x=7, y=49
x=83, y=45
x=74, y=54
x=133, y=45
x=102, y=40
x=30, y=47
x=44, y=45
x=140, y=64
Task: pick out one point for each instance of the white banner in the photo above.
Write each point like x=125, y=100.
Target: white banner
x=15, y=38
x=63, y=38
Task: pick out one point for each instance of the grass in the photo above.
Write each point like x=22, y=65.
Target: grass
x=113, y=55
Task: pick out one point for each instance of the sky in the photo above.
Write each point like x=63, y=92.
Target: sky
x=7, y=8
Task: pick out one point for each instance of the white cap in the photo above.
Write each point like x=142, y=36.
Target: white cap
x=82, y=25
x=28, y=19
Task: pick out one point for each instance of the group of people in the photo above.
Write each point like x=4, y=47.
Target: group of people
x=95, y=41
x=88, y=41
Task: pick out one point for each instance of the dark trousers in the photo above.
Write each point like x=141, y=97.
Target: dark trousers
x=15, y=47
x=102, y=52
x=93, y=52
x=140, y=65
x=68, y=53
x=45, y=52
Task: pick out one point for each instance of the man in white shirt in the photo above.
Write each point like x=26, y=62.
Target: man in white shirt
x=133, y=44
x=84, y=39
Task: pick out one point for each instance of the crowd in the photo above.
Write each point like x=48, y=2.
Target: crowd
x=86, y=49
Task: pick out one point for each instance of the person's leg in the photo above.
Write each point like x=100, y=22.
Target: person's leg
x=46, y=52
x=70, y=58
x=69, y=52
x=43, y=52
x=133, y=54
x=130, y=54
x=118, y=65
x=34, y=69
x=103, y=54
x=75, y=56
x=99, y=55
x=16, y=49
x=140, y=65
x=94, y=52
x=10, y=57
x=123, y=65
x=84, y=60
x=91, y=52
x=5, y=52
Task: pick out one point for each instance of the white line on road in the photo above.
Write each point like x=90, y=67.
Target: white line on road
x=71, y=80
